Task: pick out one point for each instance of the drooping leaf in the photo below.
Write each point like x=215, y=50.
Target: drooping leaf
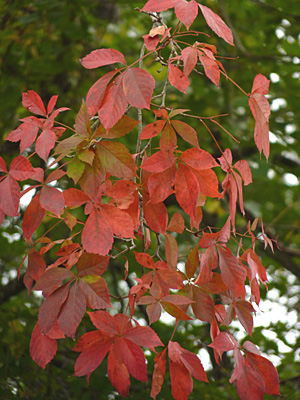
x=178, y=79
x=186, y=12
x=42, y=348
x=100, y=57
x=45, y=143
x=186, y=189
x=34, y=215
x=9, y=196
x=233, y=273
x=158, y=373
x=160, y=185
x=217, y=24
x=189, y=57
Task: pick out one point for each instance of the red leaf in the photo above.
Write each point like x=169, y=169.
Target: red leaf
x=233, y=273
x=162, y=5
x=121, y=128
x=116, y=159
x=36, y=268
x=153, y=312
x=133, y=357
x=95, y=291
x=45, y=143
x=160, y=185
x=153, y=129
x=138, y=87
x=217, y=24
x=42, y=348
x=144, y=259
x=158, y=162
x=52, y=200
x=243, y=310
x=189, y=57
x=75, y=197
x=55, y=175
x=156, y=216
x=186, y=12
x=96, y=93
x=243, y=167
x=151, y=42
x=168, y=139
x=249, y=382
x=144, y=336
x=121, y=189
x=175, y=311
x=51, y=307
x=260, y=84
x=183, y=364
x=186, y=132
x=33, y=217
x=178, y=79
x=208, y=262
x=10, y=194
x=97, y=235
x=72, y=311
x=198, y=159
x=101, y=57
x=208, y=182
x=260, y=108
x=114, y=103
x=94, y=347
x=51, y=280
x=51, y=104
x=266, y=370
x=120, y=222
x=20, y=169
x=26, y=133
x=186, y=189
x=117, y=371
x=158, y=373
x=211, y=67
x=203, y=306
x=32, y=101
x=224, y=342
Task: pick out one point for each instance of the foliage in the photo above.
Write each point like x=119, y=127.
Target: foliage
x=167, y=124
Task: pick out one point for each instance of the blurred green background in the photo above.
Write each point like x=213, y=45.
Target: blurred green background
x=41, y=44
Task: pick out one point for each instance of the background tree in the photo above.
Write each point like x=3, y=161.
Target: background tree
x=37, y=35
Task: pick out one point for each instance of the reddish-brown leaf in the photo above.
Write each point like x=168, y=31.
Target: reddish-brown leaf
x=33, y=217
x=95, y=291
x=120, y=222
x=101, y=57
x=211, y=67
x=217, y=24
x=116, y=159
x=117, y=372
x=138, y=86
x=208, y=262
x=186, y=189
x=192, y=262
x=156, y=216
x=171, y=250
x=91, y=264
x=75, y=197
x=160, y=185
x=72, y=311
x=45, y=143
x=208, y=182
x=233, y=273
x=243, y=311
x=121, y=128
x=42, y=348
x=176, y=224
x=178, y=79
x=203, y=306
x=186, y=132
x=158, y=373
x=9, y=196
x=36, y=268
x=144, y=259
x=175, y=311
x=97, y=235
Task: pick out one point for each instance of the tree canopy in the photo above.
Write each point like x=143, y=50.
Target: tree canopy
x=43, y=41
